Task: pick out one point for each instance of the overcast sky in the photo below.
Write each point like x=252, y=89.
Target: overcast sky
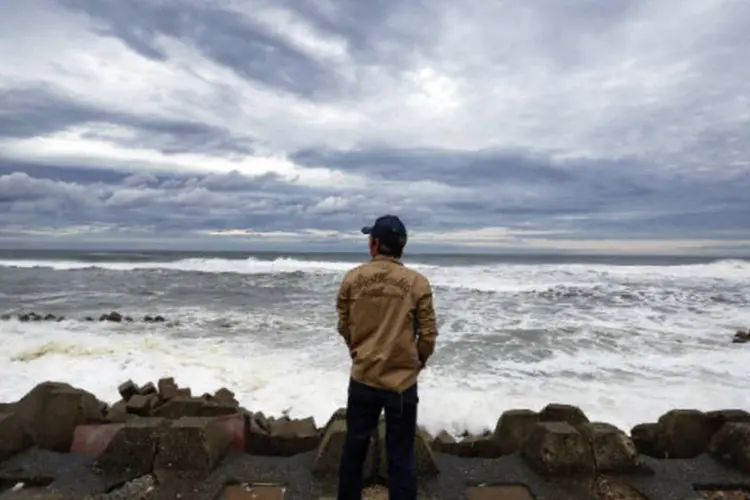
x=549, y=125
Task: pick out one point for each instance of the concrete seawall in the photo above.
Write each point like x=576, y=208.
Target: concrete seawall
x=160, y=441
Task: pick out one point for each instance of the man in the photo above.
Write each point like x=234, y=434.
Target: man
x=387, y=320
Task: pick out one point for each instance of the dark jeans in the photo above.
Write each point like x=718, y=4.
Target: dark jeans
x=363, y=411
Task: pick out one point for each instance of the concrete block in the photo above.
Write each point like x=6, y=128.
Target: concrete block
x=646, y=439
x=235, y=427
x=732, y=445
x=142, y=404
x=684, y=433
x=555, y=412
x=51, y=411
x=168, y=389
x=513, y=428
x=127, y=390
x=613, y=450
x=133, y=447
x=281, y=437
x=13, y=437
x=91, y=440
x=192, y=444
x=180, y=406
x=557, y=448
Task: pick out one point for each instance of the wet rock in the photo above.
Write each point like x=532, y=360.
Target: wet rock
x=684, y=433
x=424, y=461
x=142, y=405
x=89, y=319
x=645, y=437
x=50, y=317
x=168, y=389
x=13, y=437
x=148, y=388
x=225, y=396
x=127, y=390
x=193, y=444
x=51, y=411
x=113, y=316
x=444, y=443
x=180, y=406
x=24, y=317
x=128, y=319
x=556, y=412
x=153, y=319
x=118, y=412
x=720, y=417
x=513, y=428
x=732, y=445
x=741, y=337
x=613, y=450
x=5, y=317
x=558, y=449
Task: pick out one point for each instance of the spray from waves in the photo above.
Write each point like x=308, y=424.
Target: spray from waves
x=252, y=265
x=724, y=280
x=312, y=381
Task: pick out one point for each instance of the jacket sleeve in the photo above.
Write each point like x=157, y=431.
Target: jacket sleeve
x=342, y=307
x=426, y=319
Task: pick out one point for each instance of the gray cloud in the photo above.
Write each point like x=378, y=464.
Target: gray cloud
x=247, y=47
x=576, y=120
x=32, y=112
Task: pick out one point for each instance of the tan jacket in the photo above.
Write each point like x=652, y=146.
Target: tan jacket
x=379, y=305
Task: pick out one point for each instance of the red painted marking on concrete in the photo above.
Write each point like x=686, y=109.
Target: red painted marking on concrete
x=234, y=426
x=92, y=440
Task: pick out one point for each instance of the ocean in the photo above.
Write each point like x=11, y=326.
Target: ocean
x=624, y=338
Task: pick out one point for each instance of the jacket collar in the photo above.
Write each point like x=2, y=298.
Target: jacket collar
x=386, y=258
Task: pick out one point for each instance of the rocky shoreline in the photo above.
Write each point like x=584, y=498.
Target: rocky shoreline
x=161, y=441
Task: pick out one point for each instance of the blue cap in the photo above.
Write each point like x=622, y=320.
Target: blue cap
x=389, y=229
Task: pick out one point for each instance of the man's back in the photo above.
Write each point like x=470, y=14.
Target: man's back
x=387, y=319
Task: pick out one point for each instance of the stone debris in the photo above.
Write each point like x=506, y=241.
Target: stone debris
x=741, y=337
x=111, y=316
x=140, y=488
